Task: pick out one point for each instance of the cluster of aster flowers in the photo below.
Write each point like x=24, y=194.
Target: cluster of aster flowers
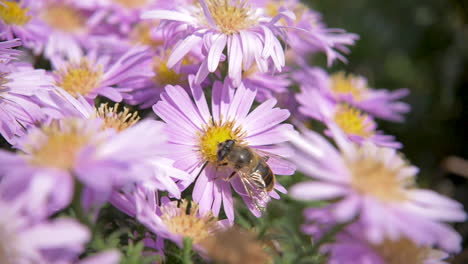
x=128, y=104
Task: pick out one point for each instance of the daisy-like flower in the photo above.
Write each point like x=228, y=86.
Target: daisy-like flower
x=24, y=240
x=18, y=20
x=56, y=156
x=146, y=94
x=377, y=185
x=70, y=28
x=312, y=35
x=351, y=247
x=20, y=87
x=195, y=132
x=218, y=24
x=168, y=219
x=358, y=126
x=95, y=75
x=355, y=91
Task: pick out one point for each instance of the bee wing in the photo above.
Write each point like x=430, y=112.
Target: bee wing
x=278, y=164
x=255, y=188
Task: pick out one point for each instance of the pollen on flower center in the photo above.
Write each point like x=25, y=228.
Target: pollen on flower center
x=230, y=17
x=79, y=78
x=343, y=84
x=164, y=76
x=216, y=133
x=13, y=14
x=403, y=251
x=64, y=18
x=353, y=122
x=187, y=222
x=118, y=120
x=370, y=176
x=60, y=146
x=141, y=34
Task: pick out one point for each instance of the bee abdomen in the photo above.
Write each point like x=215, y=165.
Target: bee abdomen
x=264, y=170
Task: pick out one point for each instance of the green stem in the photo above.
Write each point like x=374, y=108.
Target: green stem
x=80, y=212
x=187, y=257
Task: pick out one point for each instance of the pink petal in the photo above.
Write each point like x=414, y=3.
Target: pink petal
x=215, y=52
x=316, y=191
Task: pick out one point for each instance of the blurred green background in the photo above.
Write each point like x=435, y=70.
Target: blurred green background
x=421, y=45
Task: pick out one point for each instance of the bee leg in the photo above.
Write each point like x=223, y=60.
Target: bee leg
x=232, y=175
x=265, y=158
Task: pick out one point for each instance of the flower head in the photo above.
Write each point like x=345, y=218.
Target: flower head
x=20, y=89
x=219, y=24
x=350, y=246
x=195, y=133
x=82, y=150
x=91, y=76
x=358, y=126
x=308, y=34
x=18, y=20
x=377, y=185
x=355, y=91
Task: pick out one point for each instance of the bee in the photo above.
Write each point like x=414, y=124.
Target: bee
x=253, y=171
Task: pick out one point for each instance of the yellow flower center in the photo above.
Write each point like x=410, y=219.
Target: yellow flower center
x=370, y=176
x=79, y=78
x=272, y=9
x=61, y=146
x=186, y=222
x=141, y=34
x=13, y=14
x=115, y=119
x=131, y=4
x=343, y=84
x=404, y=251
x=164, y=76
x=64, y=18
x=353, y=122
x=216, y=133
x=230, y=17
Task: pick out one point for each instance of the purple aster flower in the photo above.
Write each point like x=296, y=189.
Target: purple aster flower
x=146, y=94
x=20, y=89
x=377, y=185
x=24, y=240
x=355, y=91
x=95, y=75
x=195, y=132
x=168, y=219
x=308, y=34
x=68, y=28
x=217, y=24
x=125, y=13
x=358, y=126
x=18, y=19
x=101, y=160
x=351, y=247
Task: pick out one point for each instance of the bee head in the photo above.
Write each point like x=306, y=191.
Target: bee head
x=224, y=148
